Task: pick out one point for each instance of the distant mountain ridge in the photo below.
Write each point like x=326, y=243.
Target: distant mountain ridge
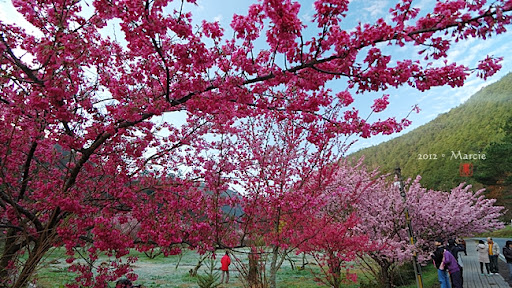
x=445, y=148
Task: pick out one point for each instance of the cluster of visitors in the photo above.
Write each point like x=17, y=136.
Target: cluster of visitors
x=488, y=255
x=448, y=263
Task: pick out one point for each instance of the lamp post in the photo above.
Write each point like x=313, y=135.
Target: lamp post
x=417, y=267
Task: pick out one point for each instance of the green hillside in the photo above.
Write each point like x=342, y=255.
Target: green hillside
x=437, y=149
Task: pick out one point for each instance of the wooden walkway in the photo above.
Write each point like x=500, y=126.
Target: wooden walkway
x=472, y=276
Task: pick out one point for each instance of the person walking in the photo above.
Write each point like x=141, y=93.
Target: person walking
x=437, y=258
x=483, y=256
x=507, y=252
x=494, y=252
x=225, y=262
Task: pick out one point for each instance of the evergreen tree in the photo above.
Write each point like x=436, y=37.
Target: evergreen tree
x=496, y=169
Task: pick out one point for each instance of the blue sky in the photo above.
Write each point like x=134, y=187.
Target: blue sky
x=432, y=102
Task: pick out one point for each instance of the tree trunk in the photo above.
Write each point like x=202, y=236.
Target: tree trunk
x=11, y=247
x=193, y=272
x=335, y=270
x=385, y=276
x=253, y=275
x=273, y=267
x=304, y=262
x=14, y=243
x=43, y=244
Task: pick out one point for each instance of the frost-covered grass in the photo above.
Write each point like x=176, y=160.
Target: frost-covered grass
x=173, y=271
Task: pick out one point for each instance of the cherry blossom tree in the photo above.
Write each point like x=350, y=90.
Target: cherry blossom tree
x=358, y=212
x=457, y=213
x=282, y=185
x=87, y=160
x=329, y=232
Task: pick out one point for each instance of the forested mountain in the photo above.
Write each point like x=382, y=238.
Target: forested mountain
x=443, y=149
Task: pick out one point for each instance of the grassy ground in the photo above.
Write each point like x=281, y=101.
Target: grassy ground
x=173, y=271
x=503, y=233
x=428, y=277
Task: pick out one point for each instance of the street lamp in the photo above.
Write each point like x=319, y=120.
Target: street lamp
x=417, y=267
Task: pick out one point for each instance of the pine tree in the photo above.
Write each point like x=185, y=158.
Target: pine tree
x=496, y=169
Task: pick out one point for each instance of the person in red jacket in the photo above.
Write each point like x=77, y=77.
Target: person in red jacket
x=225, y=261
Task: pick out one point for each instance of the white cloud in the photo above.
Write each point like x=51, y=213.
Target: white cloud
x=218, y=18
x=200, y=5
x=9, y=15
x=376, y=8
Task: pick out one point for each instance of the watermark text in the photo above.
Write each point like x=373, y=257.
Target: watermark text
x=453, y=155
x=467, y=156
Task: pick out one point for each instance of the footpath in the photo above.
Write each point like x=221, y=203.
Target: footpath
x=472, y=275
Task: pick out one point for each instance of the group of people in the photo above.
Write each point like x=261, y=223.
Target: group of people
x=448, y=263
x=488, y=254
